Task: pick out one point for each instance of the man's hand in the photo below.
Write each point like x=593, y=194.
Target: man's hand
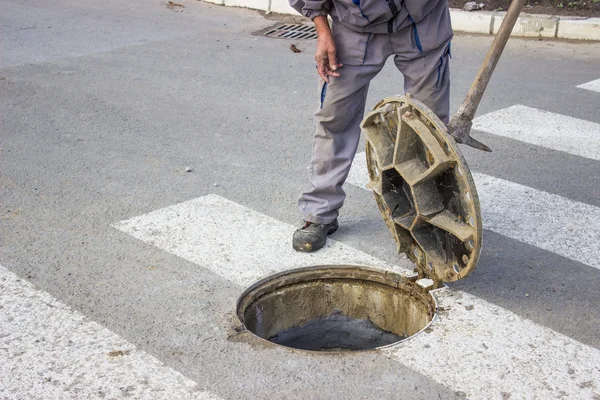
x=326, y=58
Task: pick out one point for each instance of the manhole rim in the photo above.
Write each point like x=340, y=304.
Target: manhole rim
x=404, y=279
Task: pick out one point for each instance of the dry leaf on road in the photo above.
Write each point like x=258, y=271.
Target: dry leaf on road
x=173, y=6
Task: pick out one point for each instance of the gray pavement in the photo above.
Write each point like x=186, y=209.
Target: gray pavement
x=105, y=104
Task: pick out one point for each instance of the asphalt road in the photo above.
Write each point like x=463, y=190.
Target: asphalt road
x=104, y=105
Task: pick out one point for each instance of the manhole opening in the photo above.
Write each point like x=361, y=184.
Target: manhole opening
x=292, y=31
x=335, y=308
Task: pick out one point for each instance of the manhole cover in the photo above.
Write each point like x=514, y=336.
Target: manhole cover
x=423, y=188
x=292, y=31
x=336, y=308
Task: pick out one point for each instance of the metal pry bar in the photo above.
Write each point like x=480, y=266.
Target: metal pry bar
x=460, y=124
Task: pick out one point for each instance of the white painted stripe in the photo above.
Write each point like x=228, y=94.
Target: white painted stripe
x=359, y=174
x=203, y=231
x=593, y=85
x=48, y=351
x=476, y=348
x=551, y=222
x=545, y=129
x=488, y=352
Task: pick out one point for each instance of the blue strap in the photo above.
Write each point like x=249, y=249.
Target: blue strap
x=416, y=33
x=357, y=4
x=417, y=40
x=323, y=93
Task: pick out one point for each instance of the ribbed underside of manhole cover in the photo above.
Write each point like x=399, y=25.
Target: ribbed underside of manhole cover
x=292, y=31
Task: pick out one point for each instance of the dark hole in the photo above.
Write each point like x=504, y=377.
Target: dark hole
x=335, y=332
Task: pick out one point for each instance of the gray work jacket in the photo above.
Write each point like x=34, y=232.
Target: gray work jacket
x=369, y=16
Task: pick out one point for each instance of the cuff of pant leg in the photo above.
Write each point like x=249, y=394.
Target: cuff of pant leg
x=318, y=220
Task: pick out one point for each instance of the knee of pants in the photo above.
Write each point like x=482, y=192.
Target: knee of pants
x=431, y=85
x=339, y=117
x=342, y=101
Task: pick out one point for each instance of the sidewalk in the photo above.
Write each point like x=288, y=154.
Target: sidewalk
x=485, y=22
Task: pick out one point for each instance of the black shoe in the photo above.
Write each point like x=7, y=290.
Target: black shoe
x=311, y=237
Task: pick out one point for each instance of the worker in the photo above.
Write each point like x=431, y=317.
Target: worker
x=362, y=36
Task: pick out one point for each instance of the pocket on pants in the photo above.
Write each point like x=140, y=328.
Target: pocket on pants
x=443, y=65
x=351, y=47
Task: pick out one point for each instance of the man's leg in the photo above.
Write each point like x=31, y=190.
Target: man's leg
x=334, y=145
x=422, y=55
x=428, y=79
x=342, y=106
x=335, y=141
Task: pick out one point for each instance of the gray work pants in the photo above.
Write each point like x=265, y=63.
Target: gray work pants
x=421, y=54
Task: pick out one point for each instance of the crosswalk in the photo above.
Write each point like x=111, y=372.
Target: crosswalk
x=48, y=351
x=593, y=85
x=201, y=231
x=221, y=235
x=475, y=348
x=543, y=128
x=521, y=358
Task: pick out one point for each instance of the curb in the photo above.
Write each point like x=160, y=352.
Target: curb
x=528, y=25
x=486, y=22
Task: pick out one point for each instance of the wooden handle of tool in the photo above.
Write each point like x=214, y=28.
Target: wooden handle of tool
x=469, y=106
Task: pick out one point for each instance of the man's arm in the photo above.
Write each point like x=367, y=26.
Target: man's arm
x=326, y=53
x=311, y=8
x=325, y=56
